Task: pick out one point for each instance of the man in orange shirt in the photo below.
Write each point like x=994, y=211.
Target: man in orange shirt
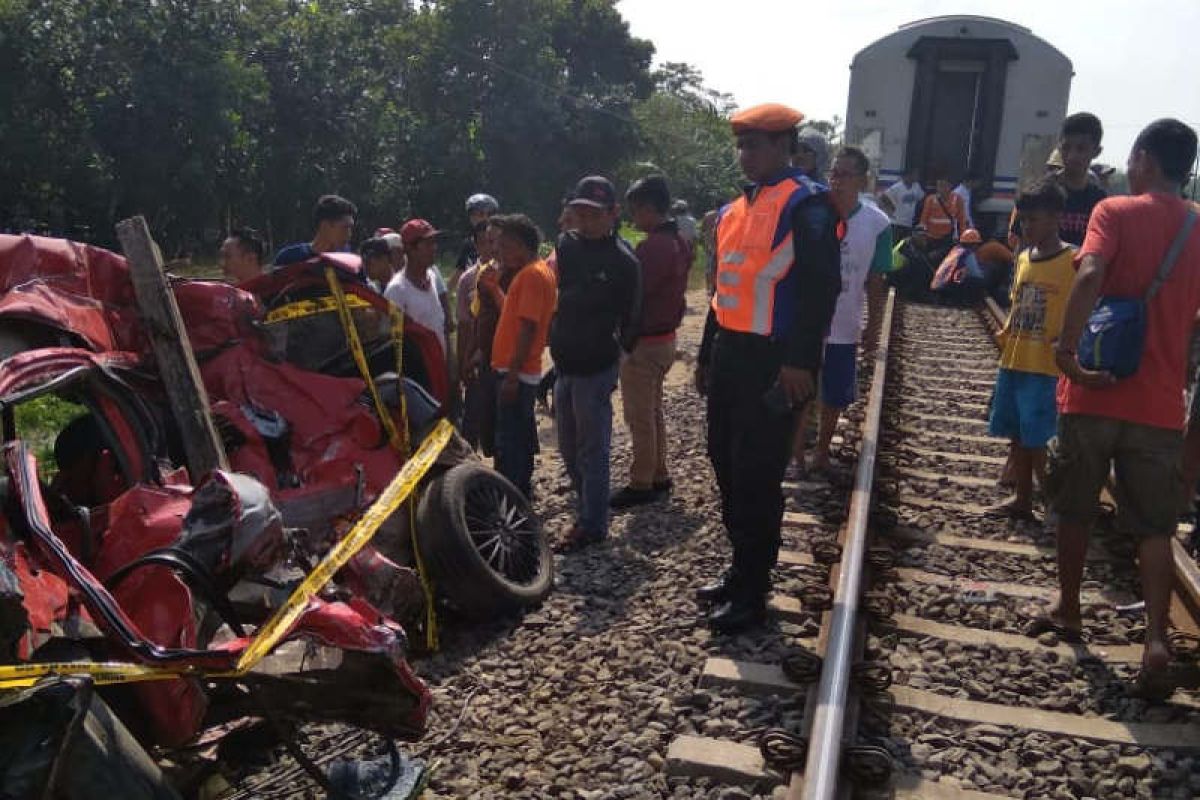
x=1135, y=422
x=944, y=219
x=517, y=349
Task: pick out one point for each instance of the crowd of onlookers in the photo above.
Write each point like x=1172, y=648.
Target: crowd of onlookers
x=1094, y=374
x=608, y=314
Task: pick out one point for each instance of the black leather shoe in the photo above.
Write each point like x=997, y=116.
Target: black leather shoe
x=737, y=616
x=715, y=592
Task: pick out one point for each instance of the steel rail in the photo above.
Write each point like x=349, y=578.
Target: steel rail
x=825, y=738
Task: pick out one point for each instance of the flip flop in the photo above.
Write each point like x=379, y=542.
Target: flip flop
x=1047, y=624
x=1006, y=511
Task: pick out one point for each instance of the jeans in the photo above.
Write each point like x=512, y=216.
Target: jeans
x=583, y=417
x=516, y=437
x=642, y=375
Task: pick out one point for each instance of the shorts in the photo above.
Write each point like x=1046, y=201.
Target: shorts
x=839, y=375
x=1149, y=479
x=1024, y=409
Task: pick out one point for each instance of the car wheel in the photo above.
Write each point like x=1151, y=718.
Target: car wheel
x=482, y=542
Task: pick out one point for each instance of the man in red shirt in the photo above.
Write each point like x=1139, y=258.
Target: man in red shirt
x=665, y=258
x=1135, y=422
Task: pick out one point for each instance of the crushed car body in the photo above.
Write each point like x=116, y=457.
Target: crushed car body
x=205, y=587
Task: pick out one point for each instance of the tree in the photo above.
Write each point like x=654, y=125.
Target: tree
x=685, y=135
x=202, y=114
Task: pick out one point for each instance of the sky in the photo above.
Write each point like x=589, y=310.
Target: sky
x=1135, y=60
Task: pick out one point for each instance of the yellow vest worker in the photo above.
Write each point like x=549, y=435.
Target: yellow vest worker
x=777, y=280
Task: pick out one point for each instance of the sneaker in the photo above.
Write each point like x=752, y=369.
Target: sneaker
x=629, y=497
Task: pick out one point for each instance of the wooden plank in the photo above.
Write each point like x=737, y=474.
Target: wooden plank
x=930, y=503
x=946, y=540
x=795, y=558
x=797, y=519
x=911, y=786
x=177, y=367
x=939, y=477
x=1113, y=654
x=941, y=418
x=751, y=677
x=962, y=437
x=954, y=365
x=1096, y=552
x=721, y=760
x=788, y=609
x=1145, y=734
x=1023, y=590
x=934, y=385
x=972, y=458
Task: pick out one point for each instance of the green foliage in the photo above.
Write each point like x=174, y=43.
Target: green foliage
x=685, y=136
x=39, y=422
x=204, y=114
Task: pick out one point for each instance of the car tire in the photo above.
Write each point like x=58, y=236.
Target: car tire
x=482, y=543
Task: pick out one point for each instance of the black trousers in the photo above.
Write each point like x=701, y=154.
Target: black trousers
x=749, y=446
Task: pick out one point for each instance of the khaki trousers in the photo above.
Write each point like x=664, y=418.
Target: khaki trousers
x=642, y=375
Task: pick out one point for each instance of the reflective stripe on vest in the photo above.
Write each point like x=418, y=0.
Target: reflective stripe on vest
x=750, y=263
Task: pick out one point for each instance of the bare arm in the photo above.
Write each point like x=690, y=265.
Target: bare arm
x=525, y=334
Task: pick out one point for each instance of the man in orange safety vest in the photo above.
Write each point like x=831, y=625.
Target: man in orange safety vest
x=778, y=275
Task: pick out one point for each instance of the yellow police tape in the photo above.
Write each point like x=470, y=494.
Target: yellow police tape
x=307, y=308
x=350, y=330
x=16, y=676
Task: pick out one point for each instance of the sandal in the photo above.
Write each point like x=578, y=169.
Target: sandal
x=1047, y=624
x=1009, y=510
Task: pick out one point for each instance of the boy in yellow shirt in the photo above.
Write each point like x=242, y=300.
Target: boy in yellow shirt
x=1023, y=405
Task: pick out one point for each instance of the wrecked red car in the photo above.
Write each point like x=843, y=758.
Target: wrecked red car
x=111, y=552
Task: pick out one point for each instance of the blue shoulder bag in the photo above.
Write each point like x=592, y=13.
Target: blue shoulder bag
x=1115, y=333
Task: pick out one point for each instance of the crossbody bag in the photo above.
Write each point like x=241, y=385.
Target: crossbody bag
x=1115, y=333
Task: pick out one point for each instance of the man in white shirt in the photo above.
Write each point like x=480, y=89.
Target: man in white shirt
x=903, y=201
x=866, y=247
x=969, y=184
x=414, y=289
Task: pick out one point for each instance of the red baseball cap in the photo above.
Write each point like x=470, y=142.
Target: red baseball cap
x=415, y=230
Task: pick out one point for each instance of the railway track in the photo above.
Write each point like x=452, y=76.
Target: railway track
x=926, y=685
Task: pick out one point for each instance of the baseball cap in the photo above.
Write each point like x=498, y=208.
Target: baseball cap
x=415, y=230
x=595, y=191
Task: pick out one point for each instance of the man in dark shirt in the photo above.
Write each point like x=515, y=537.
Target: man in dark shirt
x=778, y=278
x=333, y=218
x=599, y=299
x=665, y=257
x=1078, y=143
